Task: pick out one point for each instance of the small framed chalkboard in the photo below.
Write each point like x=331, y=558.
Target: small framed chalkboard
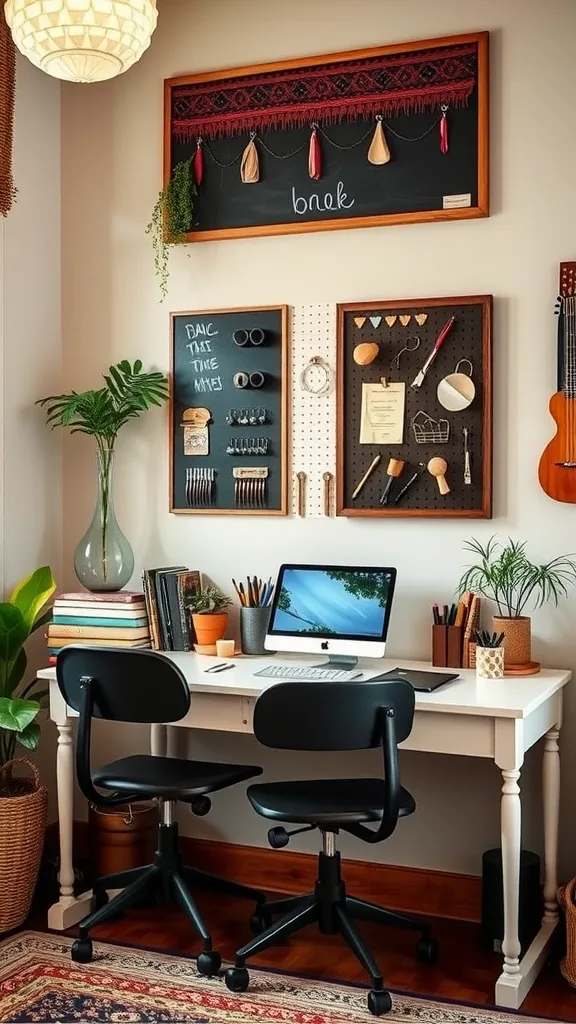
x=414, y=408
x=385, y=135
x=228, y=411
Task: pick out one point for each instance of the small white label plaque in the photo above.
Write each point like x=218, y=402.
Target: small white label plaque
x=454, y=202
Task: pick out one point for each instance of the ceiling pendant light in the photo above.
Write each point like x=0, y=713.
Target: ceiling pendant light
x=82, y=40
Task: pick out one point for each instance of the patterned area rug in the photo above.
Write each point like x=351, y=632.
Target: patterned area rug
x=38, y=982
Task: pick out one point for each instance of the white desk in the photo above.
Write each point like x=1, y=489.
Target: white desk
x=497, y=720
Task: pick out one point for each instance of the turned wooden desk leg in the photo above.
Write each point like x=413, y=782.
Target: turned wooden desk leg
x=551, y=800
x=510, y=823
x=65, y=780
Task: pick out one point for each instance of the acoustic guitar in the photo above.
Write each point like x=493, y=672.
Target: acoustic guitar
x=557, y=468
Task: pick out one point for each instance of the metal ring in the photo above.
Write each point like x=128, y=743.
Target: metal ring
x=457, y=370
x=241, y=380
x=257, y=379
x=257, y=336
x=240, y=336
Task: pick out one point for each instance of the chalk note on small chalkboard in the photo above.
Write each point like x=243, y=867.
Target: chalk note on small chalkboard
x=243, y=389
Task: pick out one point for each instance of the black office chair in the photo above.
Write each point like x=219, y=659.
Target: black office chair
x=142, y=686
x=334, y=716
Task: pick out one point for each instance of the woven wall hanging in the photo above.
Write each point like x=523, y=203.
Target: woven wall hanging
x=7, y=88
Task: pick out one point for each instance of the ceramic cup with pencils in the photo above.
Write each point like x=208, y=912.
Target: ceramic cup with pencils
x=255, y=598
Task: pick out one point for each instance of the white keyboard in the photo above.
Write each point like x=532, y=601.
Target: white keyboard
x=310, y=674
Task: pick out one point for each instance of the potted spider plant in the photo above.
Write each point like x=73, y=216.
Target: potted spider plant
x=103, y=560
x=209, y=617
x=504, y=574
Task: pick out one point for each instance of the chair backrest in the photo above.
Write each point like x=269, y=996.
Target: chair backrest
x=332, y=716
x=127, y=685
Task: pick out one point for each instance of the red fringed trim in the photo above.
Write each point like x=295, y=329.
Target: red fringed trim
x=314, y=156
x=444, y=132
x=198, y=163
x=385, y=85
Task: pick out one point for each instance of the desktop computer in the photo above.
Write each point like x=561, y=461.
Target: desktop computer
x=338, y=610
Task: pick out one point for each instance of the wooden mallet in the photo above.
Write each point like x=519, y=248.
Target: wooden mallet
x=437, y=467
x=394, y=470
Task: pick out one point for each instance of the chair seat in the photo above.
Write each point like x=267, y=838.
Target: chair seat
x=173, y=778
x=325, y=801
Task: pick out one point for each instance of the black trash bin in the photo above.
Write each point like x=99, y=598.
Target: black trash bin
x=531, y=902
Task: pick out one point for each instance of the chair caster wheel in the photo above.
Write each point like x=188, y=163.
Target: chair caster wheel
x=237, y=979
x=260, y=921
x=81, y=951
x=379, y=1001
x=99, y=898
x=209, y=963
x=427, y=950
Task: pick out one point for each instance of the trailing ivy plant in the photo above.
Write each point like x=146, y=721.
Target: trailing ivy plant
x=171, y=219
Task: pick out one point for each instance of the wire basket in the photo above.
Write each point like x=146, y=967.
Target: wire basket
x=427, y=430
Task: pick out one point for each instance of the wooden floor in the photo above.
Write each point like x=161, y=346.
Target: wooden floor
x=464, y=972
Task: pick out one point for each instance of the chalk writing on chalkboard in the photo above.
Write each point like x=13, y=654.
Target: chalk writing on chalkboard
x=204, y=366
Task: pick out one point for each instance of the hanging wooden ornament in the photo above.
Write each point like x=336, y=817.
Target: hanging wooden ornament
x=404, y=319
x=360, y=321
x=198, y=163
x=420, y=318
x=250, y=165
x=444, y=129
x=378, y=152
x=391, y=320
x=314, y=155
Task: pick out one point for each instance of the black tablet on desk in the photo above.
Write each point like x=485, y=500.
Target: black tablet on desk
x=421, y=681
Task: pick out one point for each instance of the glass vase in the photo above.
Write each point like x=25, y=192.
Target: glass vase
x=104, y=560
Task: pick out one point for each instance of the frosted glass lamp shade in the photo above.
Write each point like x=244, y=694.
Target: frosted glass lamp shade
x=82, y=40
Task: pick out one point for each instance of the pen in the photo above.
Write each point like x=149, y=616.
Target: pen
x=220, y=667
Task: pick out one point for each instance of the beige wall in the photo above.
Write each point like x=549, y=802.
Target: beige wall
x=111, y=174
x=30, y=351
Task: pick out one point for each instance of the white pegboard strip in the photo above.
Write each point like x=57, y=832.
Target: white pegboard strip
x=313, y=416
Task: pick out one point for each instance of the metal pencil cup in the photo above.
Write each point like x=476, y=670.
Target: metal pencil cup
x=253, y=628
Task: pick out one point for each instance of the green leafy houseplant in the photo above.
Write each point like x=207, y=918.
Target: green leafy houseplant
x=101, y=413
x=19, y=705
x=505, y=575
x=171, y=218
x=209, y=601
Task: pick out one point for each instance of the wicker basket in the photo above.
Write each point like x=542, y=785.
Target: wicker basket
x=566, y=900
x=23, y=804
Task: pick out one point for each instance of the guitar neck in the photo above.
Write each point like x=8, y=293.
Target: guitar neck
x=567, y=330
x=567, y=342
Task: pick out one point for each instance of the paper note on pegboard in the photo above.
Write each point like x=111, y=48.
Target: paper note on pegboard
x=314, y=415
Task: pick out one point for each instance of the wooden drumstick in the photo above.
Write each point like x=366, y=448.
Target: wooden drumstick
x=394, y=470
x=327, y=478
x=368, y=472
x=437, y=467
x=301, y=493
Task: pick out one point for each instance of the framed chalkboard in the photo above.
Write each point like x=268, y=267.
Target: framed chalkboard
x=385, y=135
x=228, y=411
x=414, y=408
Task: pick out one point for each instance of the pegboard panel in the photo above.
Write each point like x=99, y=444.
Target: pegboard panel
x=404, y=334
x=314, y=416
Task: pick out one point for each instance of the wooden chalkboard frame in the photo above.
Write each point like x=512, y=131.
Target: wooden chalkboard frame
x=409, y=451
x=282, y=456
x=481, y=209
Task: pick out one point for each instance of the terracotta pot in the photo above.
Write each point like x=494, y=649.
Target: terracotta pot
x=210, y=628
x=517, y=641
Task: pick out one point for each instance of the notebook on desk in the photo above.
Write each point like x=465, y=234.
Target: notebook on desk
x=420, y=680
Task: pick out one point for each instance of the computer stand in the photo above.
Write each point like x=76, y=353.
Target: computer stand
x=343, y=661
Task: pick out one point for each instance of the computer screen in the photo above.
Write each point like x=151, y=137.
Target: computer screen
x=338, y=609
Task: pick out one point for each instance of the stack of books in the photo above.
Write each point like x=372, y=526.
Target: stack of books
x=98, y=620
x=168, y=592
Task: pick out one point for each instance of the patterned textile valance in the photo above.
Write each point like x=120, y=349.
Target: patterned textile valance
x=388, y=84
